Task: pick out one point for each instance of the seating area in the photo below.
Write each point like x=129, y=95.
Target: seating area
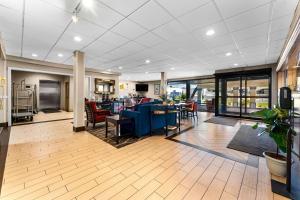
x=149, y=99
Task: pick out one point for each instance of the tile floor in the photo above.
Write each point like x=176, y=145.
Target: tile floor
x=49, y=161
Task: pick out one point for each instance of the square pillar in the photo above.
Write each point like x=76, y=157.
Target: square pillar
x=78, y=75
x=163, y=83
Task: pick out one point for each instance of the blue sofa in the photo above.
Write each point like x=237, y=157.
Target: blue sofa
x=144, y=121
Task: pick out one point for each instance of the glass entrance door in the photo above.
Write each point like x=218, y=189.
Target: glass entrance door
x=241, y=95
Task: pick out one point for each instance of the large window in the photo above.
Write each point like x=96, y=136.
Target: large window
x=203, y=91
x=176, y=91
x=242, y=94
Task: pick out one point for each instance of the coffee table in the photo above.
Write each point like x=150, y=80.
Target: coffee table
x=117, y=121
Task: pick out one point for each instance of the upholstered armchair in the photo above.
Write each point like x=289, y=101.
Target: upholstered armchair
x=95, y=115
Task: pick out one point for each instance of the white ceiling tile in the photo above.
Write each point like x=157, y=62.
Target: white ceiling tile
x=125, y=7
x=224, y=49
x=12, y=4
x=252, y=32
x=67, y=5
x=151, y=16
x=178, y=8
x=249, y=18
x=53, y=56
x=262, y=40
x=149, y=39
x=201, y=17
x=67, y=41
x=47, y=13
x=127, y=49
x=230, y=8
x=171, y=30
x=10, y=24
x=101, y=15
x=86, y=28
x=281, y=23
x=113, y=38
x=36, y=31
x=279, y=35
x=129, y=29
x=98, y=48
x=219, y=28
x=284, y=7
x=218, y=41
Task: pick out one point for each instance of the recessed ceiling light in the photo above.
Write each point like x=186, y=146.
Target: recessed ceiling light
x=172, y=68
x=146, y=72
x=34, y=55
x=228, y=54
x=210, y=32
x=147, y=61
x=88, y=3
x=235, y=64
x=109, y=70
x=77, y=39
x=120, y=67
x=60, y=55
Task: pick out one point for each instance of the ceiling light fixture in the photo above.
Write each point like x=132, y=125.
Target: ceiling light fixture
x=34, y=55
x=120, y=67
x=77, y=39
x=235, y=64
x=228, y=54
x=146, y=72
x=172, y=68
x=147, y=61
x=109, y=70
x=60, y=55
x=210, y=32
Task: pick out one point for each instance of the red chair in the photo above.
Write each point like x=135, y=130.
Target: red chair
x=95, y=115
x=145, y=100
x=192, y=109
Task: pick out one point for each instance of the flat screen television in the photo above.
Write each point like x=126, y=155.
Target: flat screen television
x=141, y=87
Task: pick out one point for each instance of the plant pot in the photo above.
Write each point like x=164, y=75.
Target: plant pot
x=276, y=164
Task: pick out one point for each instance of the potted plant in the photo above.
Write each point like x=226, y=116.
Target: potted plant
x=277, y=126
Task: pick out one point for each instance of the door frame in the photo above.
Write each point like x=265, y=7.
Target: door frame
x=241, y=75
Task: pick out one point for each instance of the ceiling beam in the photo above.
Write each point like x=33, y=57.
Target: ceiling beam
x=56, y=65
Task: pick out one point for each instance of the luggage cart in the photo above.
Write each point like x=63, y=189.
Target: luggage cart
x=23, y=101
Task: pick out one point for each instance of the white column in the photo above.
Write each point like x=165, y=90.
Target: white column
x=163, y=83
x=78, y=74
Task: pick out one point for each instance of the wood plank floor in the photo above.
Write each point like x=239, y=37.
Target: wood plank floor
x=49, y=161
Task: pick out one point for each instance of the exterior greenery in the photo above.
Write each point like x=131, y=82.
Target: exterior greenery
x=277, y=125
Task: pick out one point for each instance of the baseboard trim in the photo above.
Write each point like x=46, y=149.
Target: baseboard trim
x=78, y=129
x=4, y=124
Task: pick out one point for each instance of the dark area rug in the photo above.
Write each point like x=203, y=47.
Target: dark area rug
x=50, y=111
x=247, y=140
x=227, y=121
x=99, y=132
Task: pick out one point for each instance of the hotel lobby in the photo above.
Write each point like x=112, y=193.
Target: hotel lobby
x=149, y=99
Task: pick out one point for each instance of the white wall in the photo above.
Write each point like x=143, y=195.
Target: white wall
x=130, y=88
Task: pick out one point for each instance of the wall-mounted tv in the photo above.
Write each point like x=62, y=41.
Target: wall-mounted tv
x=141, y=87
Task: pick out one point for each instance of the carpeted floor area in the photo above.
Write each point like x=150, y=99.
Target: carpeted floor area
x=227, y=121
x=247, y=140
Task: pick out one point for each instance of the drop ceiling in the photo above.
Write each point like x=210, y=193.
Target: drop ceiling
x=170, y=33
